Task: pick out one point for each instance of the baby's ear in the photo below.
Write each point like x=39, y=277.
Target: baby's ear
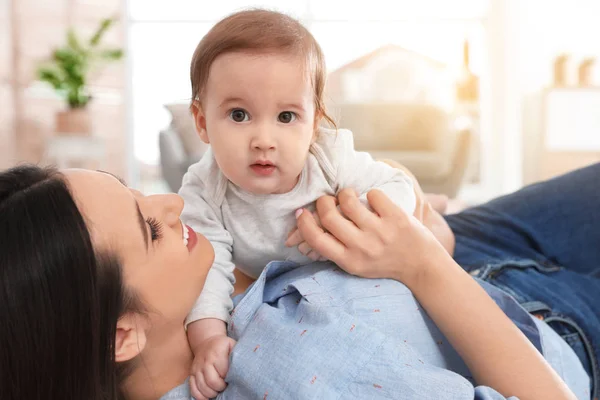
x=200, y=121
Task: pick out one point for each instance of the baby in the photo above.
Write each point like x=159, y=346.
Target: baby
x=257, y=87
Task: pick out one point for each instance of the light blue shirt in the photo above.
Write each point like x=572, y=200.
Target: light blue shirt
x=315, y=332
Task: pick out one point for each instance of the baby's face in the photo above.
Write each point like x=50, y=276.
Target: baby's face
x=258, y=115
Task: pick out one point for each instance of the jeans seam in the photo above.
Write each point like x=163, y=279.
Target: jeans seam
x=490, y=272
x=587, y=345
x=535, y=307
x=508, y=290
x=543, y=267
x=488, y=275
x=572, y=338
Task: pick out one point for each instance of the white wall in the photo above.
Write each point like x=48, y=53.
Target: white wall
x=524, y=37
x=550, y=28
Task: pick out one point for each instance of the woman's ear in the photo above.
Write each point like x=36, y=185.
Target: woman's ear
x=130, y=337
x=200, y=120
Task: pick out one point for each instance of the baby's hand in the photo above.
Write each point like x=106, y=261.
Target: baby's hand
x=295, y=239
x=210, y=366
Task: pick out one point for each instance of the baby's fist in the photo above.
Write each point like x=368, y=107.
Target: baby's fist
x=210, y=366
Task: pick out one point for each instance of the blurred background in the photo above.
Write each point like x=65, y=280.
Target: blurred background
x=476, y=97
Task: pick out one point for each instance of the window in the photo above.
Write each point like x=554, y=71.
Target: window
x=160, y=59
x=163, y=35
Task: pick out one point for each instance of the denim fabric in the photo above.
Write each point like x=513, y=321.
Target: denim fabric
x=315, y=332
x=542, y=246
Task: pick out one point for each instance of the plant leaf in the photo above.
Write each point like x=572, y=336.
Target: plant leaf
x=65, y=56
x=69, y=67
x=73, y=41
x=51, y=76
x=111, y=54
x=104, y=25
x=77, y=98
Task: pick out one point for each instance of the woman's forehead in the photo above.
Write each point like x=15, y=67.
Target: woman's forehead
x=107, y=206
x=92, y=188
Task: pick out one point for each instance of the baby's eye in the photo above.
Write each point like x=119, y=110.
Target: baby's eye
x=239, y=115
x=287, y=117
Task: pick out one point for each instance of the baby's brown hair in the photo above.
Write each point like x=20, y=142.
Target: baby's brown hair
x=260, y=31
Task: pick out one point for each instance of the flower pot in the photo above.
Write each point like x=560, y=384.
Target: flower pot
x=73, y=122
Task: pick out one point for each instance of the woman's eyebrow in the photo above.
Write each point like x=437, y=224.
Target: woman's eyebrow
x=141, y=220
x=114, y=176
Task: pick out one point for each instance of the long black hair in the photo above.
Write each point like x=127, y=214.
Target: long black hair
x=60, y=299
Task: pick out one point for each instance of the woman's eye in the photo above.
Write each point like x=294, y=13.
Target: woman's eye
x=239, y=115
x=155, y=229
x=287, y=117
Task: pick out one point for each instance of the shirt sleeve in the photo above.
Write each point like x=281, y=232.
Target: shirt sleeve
x=203, y=216
x=358, y=170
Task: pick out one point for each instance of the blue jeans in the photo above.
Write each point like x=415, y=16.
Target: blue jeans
x=541, y=244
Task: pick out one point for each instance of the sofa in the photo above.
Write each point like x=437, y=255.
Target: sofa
x=179, y=145
x=418, y=136
x=422, y=137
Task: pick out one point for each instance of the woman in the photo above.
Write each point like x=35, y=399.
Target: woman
x=86, y=285
x=97, y=280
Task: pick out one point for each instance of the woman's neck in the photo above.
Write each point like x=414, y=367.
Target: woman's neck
x=164, y=364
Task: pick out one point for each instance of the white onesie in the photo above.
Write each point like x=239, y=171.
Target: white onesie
x=249, y=231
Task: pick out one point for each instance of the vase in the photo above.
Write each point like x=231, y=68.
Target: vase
x=73, y=122
x=585, y=72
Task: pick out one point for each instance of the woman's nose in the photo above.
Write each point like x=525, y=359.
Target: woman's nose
x=168, y=207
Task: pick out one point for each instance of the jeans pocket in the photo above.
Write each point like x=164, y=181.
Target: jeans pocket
x=578, y=340
x=536, y=308
x=490, y=271
x=574, y=340
x=572, y=334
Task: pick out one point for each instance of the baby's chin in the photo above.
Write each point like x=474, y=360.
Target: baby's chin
x=269, y=187
x=260, y=189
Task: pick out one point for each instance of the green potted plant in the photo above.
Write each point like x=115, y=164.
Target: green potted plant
x=68, y=71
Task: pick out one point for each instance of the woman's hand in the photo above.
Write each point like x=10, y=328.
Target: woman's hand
x=295, y=238
x=391, y=244
x=385, y=244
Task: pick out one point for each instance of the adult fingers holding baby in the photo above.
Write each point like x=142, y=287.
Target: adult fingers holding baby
x=428, y=210
x=386, y=243
x=295, y=238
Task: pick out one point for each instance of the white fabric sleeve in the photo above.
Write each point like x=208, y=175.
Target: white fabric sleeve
x=203, y=216
x=358, y=170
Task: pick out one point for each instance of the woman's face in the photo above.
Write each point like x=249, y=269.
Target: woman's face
x=148, y=236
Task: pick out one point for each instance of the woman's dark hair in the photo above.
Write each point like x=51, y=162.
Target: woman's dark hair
x=59, y=298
